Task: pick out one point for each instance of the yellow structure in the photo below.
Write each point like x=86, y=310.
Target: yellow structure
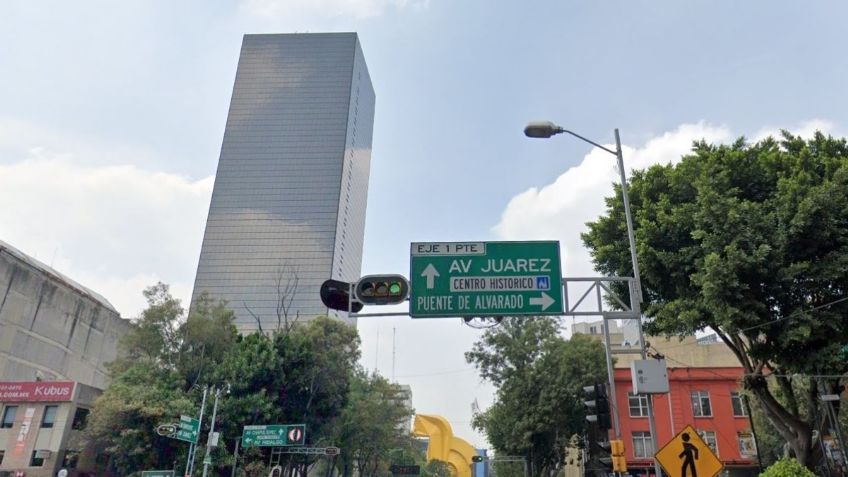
x=444, y=445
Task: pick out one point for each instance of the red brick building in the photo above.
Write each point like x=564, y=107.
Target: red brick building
x=704, y=379
x=705, y=398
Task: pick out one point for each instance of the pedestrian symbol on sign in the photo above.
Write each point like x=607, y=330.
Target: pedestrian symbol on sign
x=689, y=456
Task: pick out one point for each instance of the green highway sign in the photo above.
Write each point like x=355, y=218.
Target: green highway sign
x=274, y=435
x=188, y=430
x=157, y=473
x=450, y=279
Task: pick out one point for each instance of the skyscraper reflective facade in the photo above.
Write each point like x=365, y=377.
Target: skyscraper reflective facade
x=288, y=205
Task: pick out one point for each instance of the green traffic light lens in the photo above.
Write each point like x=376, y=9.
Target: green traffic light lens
x=394, y=288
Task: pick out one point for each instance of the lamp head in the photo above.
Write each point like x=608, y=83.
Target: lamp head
x=542, y=129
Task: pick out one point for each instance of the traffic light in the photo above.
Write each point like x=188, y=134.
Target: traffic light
x=477, y=458
x=619, y=463
x=382, y=289
x=597, y=405
x=336, y=295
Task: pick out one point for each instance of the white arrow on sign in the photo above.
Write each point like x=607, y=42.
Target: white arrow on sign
x=545, y=300
x=431, y=273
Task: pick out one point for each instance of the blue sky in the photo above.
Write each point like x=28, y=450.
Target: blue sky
x=112, y=116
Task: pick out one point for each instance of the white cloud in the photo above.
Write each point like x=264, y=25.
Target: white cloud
x=559, y=211
x=357, y=9
x=115, y=229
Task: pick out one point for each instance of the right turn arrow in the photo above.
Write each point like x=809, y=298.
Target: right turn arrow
x=545, y=300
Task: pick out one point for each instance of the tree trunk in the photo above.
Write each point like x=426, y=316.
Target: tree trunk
x=797, y=433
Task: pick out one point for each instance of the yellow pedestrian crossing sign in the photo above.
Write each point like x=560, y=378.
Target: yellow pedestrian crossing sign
x=687, y=455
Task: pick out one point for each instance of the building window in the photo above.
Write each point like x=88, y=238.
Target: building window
x=80, y=418
x=738, y=406
x=701, y=404
x=638, y=404
x=8, y=417
x=643, y=446
x=49, y=416
x=709, y=438
x=2, y=455
x=747, y=446
x=37, y=459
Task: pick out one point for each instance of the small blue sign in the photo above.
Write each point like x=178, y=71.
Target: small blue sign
x=543, y=283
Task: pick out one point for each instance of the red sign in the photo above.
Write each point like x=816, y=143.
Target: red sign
x=36, y=391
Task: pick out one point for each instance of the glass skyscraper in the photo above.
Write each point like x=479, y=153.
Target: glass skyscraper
x=288, y=206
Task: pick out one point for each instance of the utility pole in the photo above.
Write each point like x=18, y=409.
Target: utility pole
x=207, y=460
x=192, y=449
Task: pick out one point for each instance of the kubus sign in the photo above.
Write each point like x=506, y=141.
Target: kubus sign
x=450, y=279
x=36, y=391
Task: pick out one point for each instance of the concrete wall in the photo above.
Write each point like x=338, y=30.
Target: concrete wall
x=52, y=328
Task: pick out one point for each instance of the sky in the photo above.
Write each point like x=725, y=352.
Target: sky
x=112, y=116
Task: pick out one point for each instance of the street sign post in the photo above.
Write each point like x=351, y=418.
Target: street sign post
x=157, y=473
x=274, y=435
x=686, y=454
x=188, y=429
x=470, y=279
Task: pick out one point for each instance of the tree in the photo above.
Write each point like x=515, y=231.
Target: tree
x=163, y=360
x=373, y=427
x=301, y=376
x=539, y=378
x=749, y=241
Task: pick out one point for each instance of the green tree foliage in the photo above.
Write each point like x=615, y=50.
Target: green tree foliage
x=302, y=375
x=749, y=242
x=539, y=378
x=436, y=468
x=305, y=374
x=787, y=468
x=373, y=428
x=155, y=377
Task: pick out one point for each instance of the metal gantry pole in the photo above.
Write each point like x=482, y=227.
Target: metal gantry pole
x=206, y=459
x=636, y=289
x=611, y=377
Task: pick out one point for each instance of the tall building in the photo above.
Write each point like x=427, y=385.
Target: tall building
x=288, y=206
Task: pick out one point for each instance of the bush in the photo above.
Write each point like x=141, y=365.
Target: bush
x=787, y=468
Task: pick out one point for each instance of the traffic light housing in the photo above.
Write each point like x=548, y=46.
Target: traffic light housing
x=336, y=295
x=477, y=458
x=619, y=463
x=597, y=406
x=382, y=289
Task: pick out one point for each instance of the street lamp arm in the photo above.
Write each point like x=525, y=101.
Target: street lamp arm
x=590, y=142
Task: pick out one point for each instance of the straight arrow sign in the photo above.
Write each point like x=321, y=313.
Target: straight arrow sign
x=430, y=273
x=545, y=300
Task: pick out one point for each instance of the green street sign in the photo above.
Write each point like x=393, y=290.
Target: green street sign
x=188, y=430
x=451, y=279
x=274, y=435
x=157, y=473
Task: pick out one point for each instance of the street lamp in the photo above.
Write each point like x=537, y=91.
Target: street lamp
x=545, y=130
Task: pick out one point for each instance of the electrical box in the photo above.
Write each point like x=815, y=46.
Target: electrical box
x=649, y=376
